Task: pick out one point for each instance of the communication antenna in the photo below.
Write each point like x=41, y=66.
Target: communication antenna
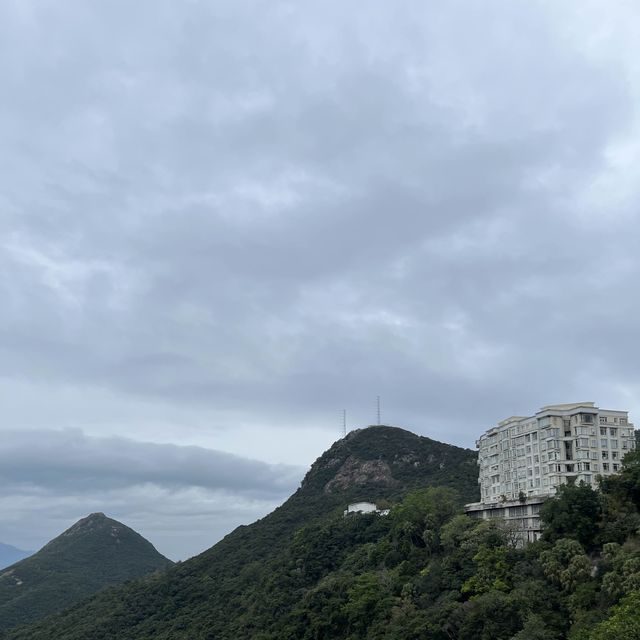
x=378, y=410
x=344, y=423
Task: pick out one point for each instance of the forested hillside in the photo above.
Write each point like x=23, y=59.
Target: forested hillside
x=94, y=553
x=425, y=572
x=243, y=585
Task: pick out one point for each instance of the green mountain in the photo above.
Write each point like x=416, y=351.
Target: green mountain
x=425, y=571
x=253, y=577
x=10, y=554
x=94, y=553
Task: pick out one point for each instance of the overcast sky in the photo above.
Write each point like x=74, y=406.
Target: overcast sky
x=222, y=222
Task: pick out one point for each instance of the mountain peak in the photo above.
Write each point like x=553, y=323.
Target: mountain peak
x=93, y=553
x=382, y=461
x=91, y=523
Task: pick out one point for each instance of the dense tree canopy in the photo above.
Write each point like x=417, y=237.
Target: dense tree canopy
x=425, y=572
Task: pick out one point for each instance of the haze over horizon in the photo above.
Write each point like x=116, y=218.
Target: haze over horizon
x=222, y=223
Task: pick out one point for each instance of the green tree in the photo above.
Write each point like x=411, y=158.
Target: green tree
x=624, y=575
x=566, y=564
x=623, y=623
x=368, y=599
x=621, y=501
x=573, y=513
x=421, y=514
x=535, y=628
x=492, y=571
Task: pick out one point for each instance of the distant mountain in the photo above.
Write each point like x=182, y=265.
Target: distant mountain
x=9, y=555
x=245, y=582
x=94, y=553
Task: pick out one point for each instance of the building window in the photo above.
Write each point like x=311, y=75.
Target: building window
x=613, y=431
x=603, y=420
x=605, y=455
x=614, y=444
x=603, y=431
x=616, y=467
x=605, y=466
x=603, y=443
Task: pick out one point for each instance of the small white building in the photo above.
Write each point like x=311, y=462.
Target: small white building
x=364, y=507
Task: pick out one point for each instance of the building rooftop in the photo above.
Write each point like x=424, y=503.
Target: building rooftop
x=568, y=406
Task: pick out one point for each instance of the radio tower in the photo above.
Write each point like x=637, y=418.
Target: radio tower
x=344, y=423
x=378, y=410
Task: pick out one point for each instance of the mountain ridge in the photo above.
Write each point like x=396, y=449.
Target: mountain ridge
x=206, y=595
x=95, y=552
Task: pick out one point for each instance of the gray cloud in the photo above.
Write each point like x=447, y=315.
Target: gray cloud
x=70, y=460
x=250, y=215
x=183, y=497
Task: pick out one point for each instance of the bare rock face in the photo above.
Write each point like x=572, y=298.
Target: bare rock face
x=360, y=473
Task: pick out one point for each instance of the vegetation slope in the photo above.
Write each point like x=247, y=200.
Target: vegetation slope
x=425, y=572
x=250, y=583
x=94, y=553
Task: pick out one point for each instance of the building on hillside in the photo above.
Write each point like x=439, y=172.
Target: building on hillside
x=523, y=460
x=364, y=507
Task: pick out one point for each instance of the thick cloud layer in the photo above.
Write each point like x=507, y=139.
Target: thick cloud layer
x=63, y=474
x=69, y=460
x=221, y=223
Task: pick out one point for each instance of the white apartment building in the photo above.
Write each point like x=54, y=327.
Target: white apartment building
x=523, y=460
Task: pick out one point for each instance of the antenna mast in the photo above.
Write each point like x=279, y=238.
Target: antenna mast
x=344, y=423
x=378, y=410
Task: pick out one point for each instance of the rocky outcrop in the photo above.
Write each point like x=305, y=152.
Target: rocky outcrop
x=360, y=473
